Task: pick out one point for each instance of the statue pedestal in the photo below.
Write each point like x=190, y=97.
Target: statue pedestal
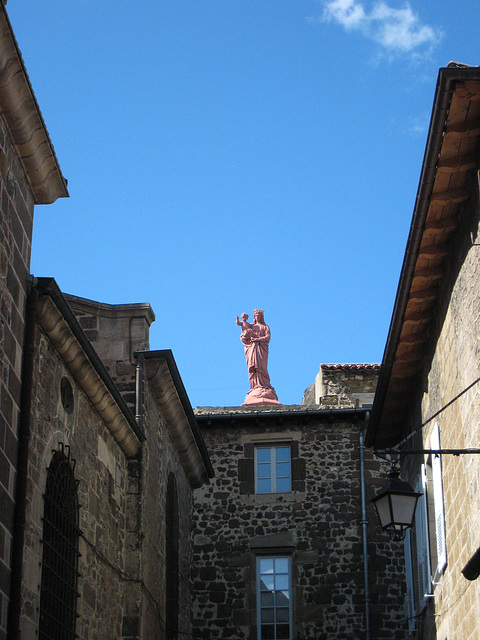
x=261, y=396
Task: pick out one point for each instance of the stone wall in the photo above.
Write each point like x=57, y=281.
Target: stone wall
x=16, y=221
x=159, y=461
x=101, y=469
x=319, y=524
x=343, y=386
x=123, y=579
x=116, y=332
x=453, y=366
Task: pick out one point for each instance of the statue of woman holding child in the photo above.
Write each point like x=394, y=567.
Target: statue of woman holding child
x=255, y=338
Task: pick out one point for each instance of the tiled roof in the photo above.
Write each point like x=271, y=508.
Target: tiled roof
x=358, y=367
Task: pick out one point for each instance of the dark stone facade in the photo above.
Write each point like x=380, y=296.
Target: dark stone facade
x=134, y=484
x=318, y=524
x=66, y=419
x=29, y=175
x=343, y=385
x=15, y=244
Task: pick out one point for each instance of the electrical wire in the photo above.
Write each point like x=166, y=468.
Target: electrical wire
x=126, y=578
x=437, y=413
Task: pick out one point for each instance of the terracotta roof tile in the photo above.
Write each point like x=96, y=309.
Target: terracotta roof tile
x=358, y=367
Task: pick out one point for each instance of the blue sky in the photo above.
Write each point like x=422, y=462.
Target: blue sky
x=224, y=155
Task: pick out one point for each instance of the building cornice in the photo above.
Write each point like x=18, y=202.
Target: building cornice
x=253, y=416
x=59, y=324
x=103, y=309
x=164, y=380
x=24, y=122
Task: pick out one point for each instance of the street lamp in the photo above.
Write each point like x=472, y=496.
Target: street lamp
x=395, y=504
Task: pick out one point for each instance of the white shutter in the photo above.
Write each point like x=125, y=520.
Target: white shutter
x=438, y=503
x=409, y=577
x=424, y=573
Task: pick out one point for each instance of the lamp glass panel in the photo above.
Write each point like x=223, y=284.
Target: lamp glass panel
x=383, y=509
x=403, y=508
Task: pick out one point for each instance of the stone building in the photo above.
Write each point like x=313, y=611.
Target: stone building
x=343, y=385
x=111, y=522
x=99, y=449
x=285, y=534
x=428, y=394
x=107, y=544
x=29, y=175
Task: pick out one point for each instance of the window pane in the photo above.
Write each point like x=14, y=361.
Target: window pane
x=283, y=485
x=264, y=470
x=281, y=583
x=283, y=454
x=268, y=632
x=264, y=486
x=282, y=598
x=266, y=565
x=283, y=614
x=283, y=469
x=266, y=583
x=281, y=565
x=267, y=615
x=283, y=632
x=266, y=599
x=263, y=455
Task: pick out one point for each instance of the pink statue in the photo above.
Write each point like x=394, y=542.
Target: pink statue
x=246, y=327
x=255, y=338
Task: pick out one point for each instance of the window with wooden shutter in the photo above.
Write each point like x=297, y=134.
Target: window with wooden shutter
x=273, y=469
x=436, y=462
x=424, y=573
x=409, y=577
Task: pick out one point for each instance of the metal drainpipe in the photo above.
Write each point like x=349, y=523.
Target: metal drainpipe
x=139, y=390
x=24, y=422
x=364, y=527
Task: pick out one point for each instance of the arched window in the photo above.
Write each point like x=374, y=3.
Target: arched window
x=172, y=535
x=58, y=589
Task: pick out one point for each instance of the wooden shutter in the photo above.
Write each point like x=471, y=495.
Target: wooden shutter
x=438, y=504
x=424, y=580
x=409, y=576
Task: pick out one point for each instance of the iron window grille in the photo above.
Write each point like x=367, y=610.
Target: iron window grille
x=58, y=588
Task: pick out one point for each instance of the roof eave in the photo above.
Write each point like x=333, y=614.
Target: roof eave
x=447, y=79
x=62, y=329
x=164, y=379
x=24, y=122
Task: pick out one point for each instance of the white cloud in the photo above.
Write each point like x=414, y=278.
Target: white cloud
x=395, y=30
x=348, y=13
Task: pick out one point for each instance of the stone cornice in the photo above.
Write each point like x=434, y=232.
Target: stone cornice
x=162, y=376
x=60, y=334
x=141, y=310
x=24, y=122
